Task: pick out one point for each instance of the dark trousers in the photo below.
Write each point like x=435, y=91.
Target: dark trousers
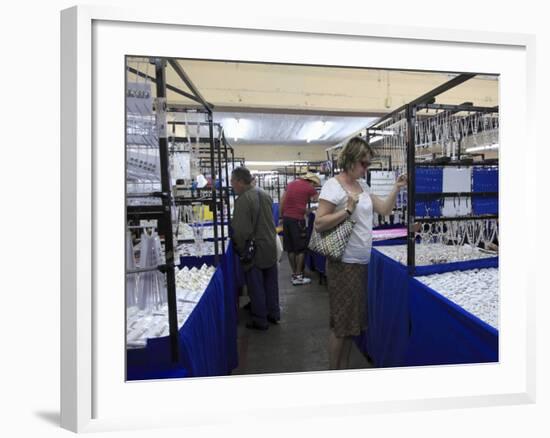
x=263, y=289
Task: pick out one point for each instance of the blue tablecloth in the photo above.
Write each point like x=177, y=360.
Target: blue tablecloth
x=275, y=211
x=153, y=362
x=238, y=272
x=196, y=262
x=410, y=324
x=444, y=333
x=208, y=339
x=386, y=337
x=314, y=261
x=233, y=277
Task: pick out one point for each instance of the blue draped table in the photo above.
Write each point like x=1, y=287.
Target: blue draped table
x=275, y=212
x=444, y=333
x=313, y=260
x=196, y=262
x=207, y=339
x=386, y=337
x=411, y=324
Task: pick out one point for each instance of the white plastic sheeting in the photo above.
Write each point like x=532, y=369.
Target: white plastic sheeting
x=289, y=129
x=283, y=129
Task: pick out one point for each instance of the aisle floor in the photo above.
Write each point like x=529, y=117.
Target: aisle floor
x=300, y=341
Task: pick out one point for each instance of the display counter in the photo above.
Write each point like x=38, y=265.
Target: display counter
x=207, y=339
x=411, y=324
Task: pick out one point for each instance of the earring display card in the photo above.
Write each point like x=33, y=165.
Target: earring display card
x=428, y=208
x=457, y=180
x=485, y=206
x=428, y=180
x=381, y=182
x=485, y=180
x=459, y=206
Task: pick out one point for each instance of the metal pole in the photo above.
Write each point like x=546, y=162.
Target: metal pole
x=278, y=189
x=169, y=87
x=183, y=76
x=232, y=169
x=214, y=192
x=226, y=157
x=165, y=224
x=411, y=188
x=220, y=179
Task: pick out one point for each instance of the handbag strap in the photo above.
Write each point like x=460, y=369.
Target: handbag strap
x=347, y=193
x=344, y=189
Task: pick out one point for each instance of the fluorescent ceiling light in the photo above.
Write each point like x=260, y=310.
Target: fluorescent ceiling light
x=482, y=148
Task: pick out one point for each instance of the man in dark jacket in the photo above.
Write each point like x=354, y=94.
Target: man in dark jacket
x=253, y=219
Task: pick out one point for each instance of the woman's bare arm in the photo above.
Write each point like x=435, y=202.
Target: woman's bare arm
x=385, y=206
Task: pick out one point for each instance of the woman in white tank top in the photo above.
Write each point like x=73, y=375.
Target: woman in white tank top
x=348, y=195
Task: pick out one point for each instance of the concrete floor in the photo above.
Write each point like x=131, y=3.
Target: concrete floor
x=300, y=341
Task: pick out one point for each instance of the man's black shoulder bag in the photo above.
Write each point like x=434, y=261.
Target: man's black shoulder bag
x=250, y=244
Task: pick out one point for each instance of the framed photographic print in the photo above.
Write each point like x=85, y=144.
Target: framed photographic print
x=169, y=123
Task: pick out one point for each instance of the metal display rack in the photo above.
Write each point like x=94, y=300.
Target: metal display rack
x=213, y=165
x=289, y=173
x=425, y=109
x=217, y=196
x=271, y=183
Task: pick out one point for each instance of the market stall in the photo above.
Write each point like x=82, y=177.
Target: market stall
x=207, y=335
x=412, y=324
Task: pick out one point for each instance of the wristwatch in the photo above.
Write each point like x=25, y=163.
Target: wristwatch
x=348, y=211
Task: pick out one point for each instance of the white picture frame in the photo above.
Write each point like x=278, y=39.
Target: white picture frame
x=92, y=396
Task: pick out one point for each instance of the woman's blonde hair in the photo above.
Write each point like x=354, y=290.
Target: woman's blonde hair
x=355, y=150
